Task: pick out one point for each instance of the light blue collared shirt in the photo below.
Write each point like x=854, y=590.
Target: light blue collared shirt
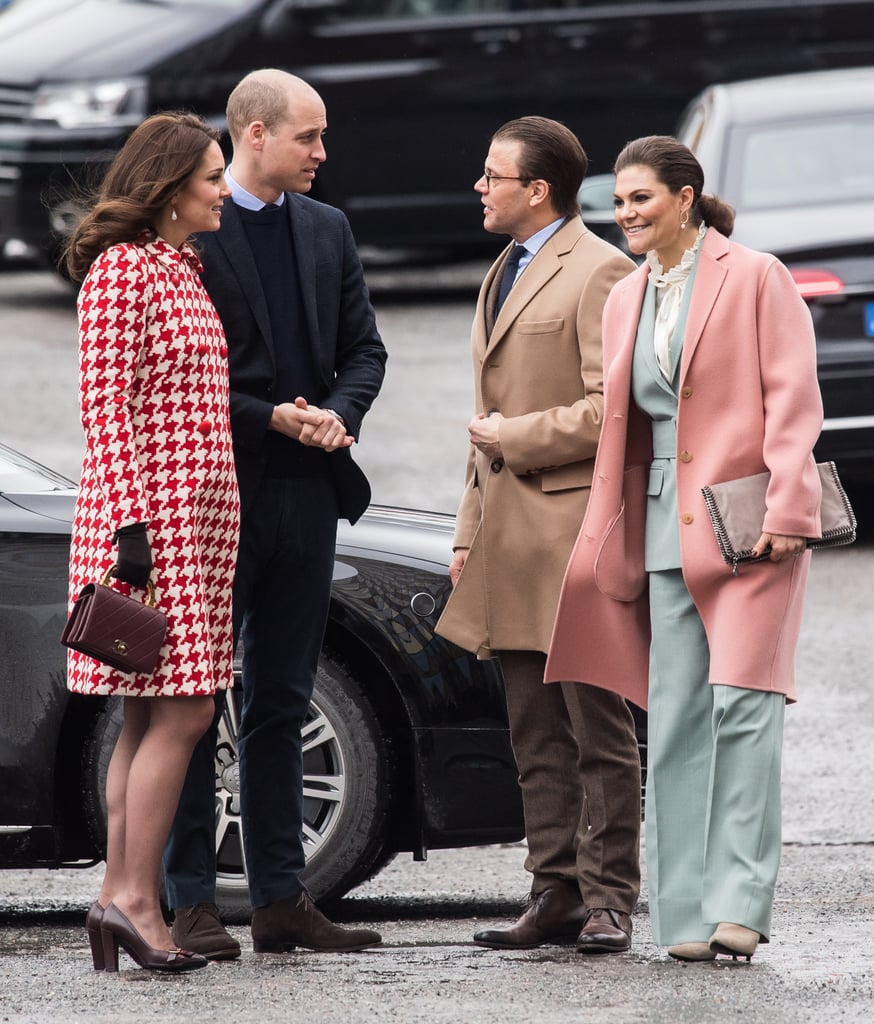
x=535, y=243
x=245, y=199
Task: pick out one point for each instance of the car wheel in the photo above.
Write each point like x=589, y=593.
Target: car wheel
x=346, y=793
x=98, y=748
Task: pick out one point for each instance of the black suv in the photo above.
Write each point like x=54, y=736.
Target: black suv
x=413, y=88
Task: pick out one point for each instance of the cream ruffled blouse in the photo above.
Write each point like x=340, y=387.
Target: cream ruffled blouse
x=670, y=288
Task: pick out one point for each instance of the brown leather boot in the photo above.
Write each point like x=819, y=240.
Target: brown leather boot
x=297, y=921
x=200, y=929
x=553, y=915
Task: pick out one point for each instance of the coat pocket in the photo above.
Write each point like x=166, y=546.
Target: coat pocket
x=656, y=482
x=540, y=326
x=567, y=478
x=619, y=564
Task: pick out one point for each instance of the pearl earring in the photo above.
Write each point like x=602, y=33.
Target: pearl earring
x=173, y=214
x=684, y=222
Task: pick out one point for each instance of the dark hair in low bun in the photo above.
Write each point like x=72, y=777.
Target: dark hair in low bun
x=675, y=166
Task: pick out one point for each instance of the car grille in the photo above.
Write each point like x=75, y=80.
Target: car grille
x=16, y=104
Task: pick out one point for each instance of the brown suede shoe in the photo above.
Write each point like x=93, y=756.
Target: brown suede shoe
x=297, y=921
x=553, y=915
x=200, y=929
x=605, y=931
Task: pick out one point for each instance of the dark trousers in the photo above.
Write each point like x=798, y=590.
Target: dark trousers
x=281, y=595
x=579, y=771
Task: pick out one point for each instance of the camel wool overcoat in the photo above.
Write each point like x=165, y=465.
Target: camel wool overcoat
x=541, y=368
x=749, y=401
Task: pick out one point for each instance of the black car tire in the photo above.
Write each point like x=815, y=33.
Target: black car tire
x=346, y=760
x=96, y=752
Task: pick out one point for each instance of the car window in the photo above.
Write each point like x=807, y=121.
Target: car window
x=424, y=8
x=433, y=8
x=819, y=161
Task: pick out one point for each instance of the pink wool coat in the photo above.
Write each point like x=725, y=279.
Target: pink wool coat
x=748, y=401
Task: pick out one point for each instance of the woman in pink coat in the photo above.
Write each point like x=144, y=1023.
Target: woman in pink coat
x=158, y=481
x=710, y=375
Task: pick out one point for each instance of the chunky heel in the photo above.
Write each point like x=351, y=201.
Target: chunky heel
x=110, y=950
x=93, y=921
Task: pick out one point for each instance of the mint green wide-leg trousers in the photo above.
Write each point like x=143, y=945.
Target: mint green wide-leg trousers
x=713, y=783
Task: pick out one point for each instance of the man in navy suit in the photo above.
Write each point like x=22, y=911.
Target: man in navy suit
x=306, y=361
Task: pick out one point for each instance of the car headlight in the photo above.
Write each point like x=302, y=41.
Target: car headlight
x=118, y=102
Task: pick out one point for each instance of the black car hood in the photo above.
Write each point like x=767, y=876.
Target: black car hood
x=80, y=40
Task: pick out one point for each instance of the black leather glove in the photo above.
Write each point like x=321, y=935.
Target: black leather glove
x=134, y=561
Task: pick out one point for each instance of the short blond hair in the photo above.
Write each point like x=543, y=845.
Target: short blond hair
x=260, y=96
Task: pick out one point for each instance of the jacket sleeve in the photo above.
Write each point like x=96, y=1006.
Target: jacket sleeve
x=792, y=405
x=113, y=305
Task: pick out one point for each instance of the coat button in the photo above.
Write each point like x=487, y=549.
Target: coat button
x=686, y=392
x=174, y=279
x=202, y=348
x=685, y=456
x=204, y=427
x=687, y=518
x=497, y=465
x=223, y=351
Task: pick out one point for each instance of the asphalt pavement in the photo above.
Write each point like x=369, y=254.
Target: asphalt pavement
x=819, y=964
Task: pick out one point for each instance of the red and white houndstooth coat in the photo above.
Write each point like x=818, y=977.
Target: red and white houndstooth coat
x=153, y=390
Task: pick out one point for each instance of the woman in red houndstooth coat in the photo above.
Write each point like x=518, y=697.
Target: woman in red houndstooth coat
x=157, y=481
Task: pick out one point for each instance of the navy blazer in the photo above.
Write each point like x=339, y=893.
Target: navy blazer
x=347, y=351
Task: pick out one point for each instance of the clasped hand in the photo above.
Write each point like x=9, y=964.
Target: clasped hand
x=310, y=425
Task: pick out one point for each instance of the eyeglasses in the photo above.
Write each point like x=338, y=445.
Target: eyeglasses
x=500, y=177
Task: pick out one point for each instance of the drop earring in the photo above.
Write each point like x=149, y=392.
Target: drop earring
x=683, y=222
x=173, y=214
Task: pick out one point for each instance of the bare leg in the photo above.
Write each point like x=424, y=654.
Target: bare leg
x=135, y=722
x=155, y=753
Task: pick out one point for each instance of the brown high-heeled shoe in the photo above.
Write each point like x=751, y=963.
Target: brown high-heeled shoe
x=116, y=930
x=734, y=940
x=93, y=919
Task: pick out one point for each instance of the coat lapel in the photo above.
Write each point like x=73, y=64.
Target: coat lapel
x=709, y=277
x=545, y=265
x=305, y=245
x=232, y=239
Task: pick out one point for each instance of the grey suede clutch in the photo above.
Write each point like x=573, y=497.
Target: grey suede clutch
x=737, y=511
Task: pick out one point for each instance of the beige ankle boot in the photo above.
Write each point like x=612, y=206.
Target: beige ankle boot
x=691, y=951
x=734, y=940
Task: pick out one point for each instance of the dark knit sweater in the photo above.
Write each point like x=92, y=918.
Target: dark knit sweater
x=273, y=249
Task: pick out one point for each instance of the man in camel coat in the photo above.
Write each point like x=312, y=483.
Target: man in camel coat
x=536, y=343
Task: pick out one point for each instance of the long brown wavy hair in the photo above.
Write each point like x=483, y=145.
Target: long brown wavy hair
x=155, y=161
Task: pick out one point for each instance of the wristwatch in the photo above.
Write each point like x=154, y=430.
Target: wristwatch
x=336, y=416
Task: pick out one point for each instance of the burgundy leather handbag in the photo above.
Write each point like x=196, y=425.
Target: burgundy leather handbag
x=115, y=629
